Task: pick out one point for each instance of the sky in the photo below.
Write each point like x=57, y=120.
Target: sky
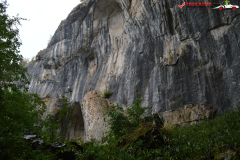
x=44, y=17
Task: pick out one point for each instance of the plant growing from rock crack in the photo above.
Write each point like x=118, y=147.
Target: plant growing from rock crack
x=179, y=100
x=107, y=93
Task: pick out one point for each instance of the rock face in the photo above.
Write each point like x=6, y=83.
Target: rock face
x=227, y=155
x=94, y=108
x=76, y=127
x=169, y=56
x=188, y=115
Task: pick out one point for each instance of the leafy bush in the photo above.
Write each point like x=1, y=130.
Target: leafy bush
x=206, y=138
x=59, y=122
x=122, y=123
x=203, y=140
x=20, y=111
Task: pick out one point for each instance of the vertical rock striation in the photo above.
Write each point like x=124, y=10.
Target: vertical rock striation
x=143, y=48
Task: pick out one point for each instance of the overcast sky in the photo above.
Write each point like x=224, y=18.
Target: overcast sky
x=44, y=17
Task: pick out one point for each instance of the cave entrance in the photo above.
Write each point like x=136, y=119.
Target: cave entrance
x=76, y=126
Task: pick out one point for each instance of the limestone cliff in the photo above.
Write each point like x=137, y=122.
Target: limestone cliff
x=143, y=48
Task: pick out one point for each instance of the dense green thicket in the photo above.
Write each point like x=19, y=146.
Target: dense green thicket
x=19, y=110
x=122, y=123
x=204, y=140
x=124, y=126
x=132, y=135
x=57, y=123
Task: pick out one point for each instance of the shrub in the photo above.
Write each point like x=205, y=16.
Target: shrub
x=206, y=138
x=122, y=123
x=203, y=140
x=54, y=123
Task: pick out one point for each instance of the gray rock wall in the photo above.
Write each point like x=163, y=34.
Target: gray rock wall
x=144, y=48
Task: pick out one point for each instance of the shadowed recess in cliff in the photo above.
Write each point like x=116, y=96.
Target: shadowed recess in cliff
x=169, y=18
x=76, y=126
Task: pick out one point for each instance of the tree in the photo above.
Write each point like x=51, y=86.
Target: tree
x=19, y=110
x=10, y=71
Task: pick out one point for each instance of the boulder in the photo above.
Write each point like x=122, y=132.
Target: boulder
x=94, y=108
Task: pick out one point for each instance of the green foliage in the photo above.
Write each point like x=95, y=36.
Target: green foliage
x=203, y=140
x=54, y=123
x=10, y=70
x=206, y=138
x=227, y=2
x=122, y=123
x=82, y=1
x=66, y=111
x=107, y=93
x=179, y=100
x=18, y=114
x=20, y=111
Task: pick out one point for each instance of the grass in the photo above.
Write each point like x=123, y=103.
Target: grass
x=107, y=93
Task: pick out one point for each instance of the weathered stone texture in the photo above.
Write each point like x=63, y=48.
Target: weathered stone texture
x=151, y=49
x=76, y=127
x=93, y=108
x=229, y=155
x=188, y=115
x=53, y=107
